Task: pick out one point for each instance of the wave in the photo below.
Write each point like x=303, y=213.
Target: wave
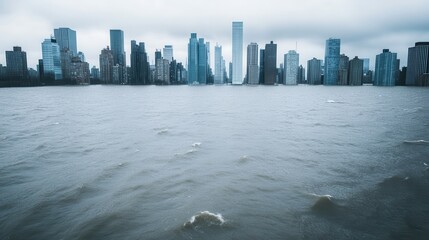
x=204, y=219
x=162, y=131
x=333, y=101
x=417, y=142
x=197, y=144
x=324, y=204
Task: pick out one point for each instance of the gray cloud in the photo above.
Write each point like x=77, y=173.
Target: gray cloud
x=364, y=26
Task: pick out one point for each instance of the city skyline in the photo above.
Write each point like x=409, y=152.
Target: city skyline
x=288, y=27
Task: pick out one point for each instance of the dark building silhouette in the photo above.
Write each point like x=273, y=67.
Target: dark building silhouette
x=386, y=69
x=270, y=63
x=118, y=52
x=139, y=65
x=301, y=75
x=343, y=70
x=314, y=71
x=262, y=66
x=355, y=71
x=106, y=66
x=418, y=64
x=16, y=73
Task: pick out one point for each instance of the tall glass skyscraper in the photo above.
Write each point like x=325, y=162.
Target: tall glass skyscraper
x=167, y=51
x=332, y=61
x=237, y=52
x=139, y=64
x=117, y=47
x=386, y=68
x=193, y=59
x=291, y=66
x=66, y=39
x=202, y=62
x=418, y=64
x=218, y=64
x=51, y=59
x=252, y=64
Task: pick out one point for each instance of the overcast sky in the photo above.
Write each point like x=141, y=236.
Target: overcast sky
x=365, y=27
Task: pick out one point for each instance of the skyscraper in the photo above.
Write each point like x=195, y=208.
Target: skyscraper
x=51, y=59
x=301, y=74
x=193, y=59
x=117, y=48
x=66, y=39
x=202, y=62
x=139, y=64
x=291, y=65
x=365, y=65
x=168, y=52
x=106, y=66
x=16, y=62
x=261, y=66
x=237, y=52
x=252, y=72
x=79, y=73
x=314, y=71
x=418, y=64
x=386, y=68
x=218, y=64
x=332, y=61
x=343, y=70
x=270, y=63
x=356, y=71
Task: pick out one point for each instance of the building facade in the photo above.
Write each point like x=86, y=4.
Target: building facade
x=167, y=51
x=252, y=71
x=16, y=62
x=119, y=58
x=51, y=59
x=356, y=71
x=343, y=70
x=332, y=61
x=237, y=52
x=106, y=66
x=218, y=65
x=314, y=71
x=66, y=39
x=418, y=64
x=291, y=65
x=270, y=63
x=193, y=59
x=139, y=74
x=386, y=69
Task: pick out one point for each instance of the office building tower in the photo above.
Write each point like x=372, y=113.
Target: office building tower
x=16, y=62
x=332, y=61
x=81, y=56
x=95, y=73
x=162, y=71
x=343, y=70
x=291, y=65
x=51, y=59
x=230, y=73
x=79, y=72
x=158, y=55
x=218, y=64
x=314, y=71
x=261, y=66
x=237, y=52
x=167, y=51
x=365, y=65
x=139, y=71
x=252, y=72
x=106, y=66
x=202, y=62
x=301, y=75
x=66, y=61
x=193, y=59
x=270, y=63
x=418, y=65
x=119, y=58
x=356, y=71
x=66, y=39
x=386, y=68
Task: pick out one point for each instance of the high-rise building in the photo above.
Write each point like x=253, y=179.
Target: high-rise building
x=356, y=71
x=291, y=65
x=16, y=62
x=301, y=74
x=202, y=62
x=314, y=71
x=332, y=61
x=365, y=65
x=158, y=55
x=237, y=52
x=66, y=39
x=81, y=56
x=261, y=66
x=418, y=65
x=167, y=51
x=95, y=73
x=230, y=72
x=252, y=72
x=162, y=72
x=386, y=68
x=79, y=71
x=51, y=59
x=193, y=59
x=66, y=61
x=270, y=63
x=106, y=66
x=139, y=64
x=218, y=64
x=119, y=58
x=343, y=70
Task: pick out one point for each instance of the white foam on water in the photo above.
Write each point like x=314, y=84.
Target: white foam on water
x=197, y=144
x=206, y=217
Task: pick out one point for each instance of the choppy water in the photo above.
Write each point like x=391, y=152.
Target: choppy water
x=304, y=162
